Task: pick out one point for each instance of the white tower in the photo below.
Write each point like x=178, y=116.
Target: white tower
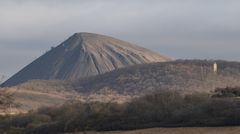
x=215, y=68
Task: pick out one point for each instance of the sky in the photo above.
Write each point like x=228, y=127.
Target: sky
x=182, y=29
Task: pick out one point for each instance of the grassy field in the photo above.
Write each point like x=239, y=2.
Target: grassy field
x=198, y=130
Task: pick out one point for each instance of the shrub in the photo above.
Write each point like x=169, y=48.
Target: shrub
x=159, y=109
x=227, y=92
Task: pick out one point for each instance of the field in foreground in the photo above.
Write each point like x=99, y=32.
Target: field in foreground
x=193, y=130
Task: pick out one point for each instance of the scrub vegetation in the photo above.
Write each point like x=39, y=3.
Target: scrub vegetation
x=160, y=109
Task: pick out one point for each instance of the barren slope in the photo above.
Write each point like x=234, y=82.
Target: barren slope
x=84, y=55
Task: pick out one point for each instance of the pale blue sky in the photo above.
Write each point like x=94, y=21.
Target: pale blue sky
x=195, y=29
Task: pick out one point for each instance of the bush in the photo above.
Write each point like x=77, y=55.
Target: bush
x=227, y=92
x=160, y=109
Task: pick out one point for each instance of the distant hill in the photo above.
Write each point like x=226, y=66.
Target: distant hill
x=120, y=85
x=83, y=55
x=183, y=75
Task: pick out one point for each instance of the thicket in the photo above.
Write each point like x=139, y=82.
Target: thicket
x=160, y=109
x=227, y=92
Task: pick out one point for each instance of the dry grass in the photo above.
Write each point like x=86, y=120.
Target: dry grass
x=194, y=130
x=32, y=99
